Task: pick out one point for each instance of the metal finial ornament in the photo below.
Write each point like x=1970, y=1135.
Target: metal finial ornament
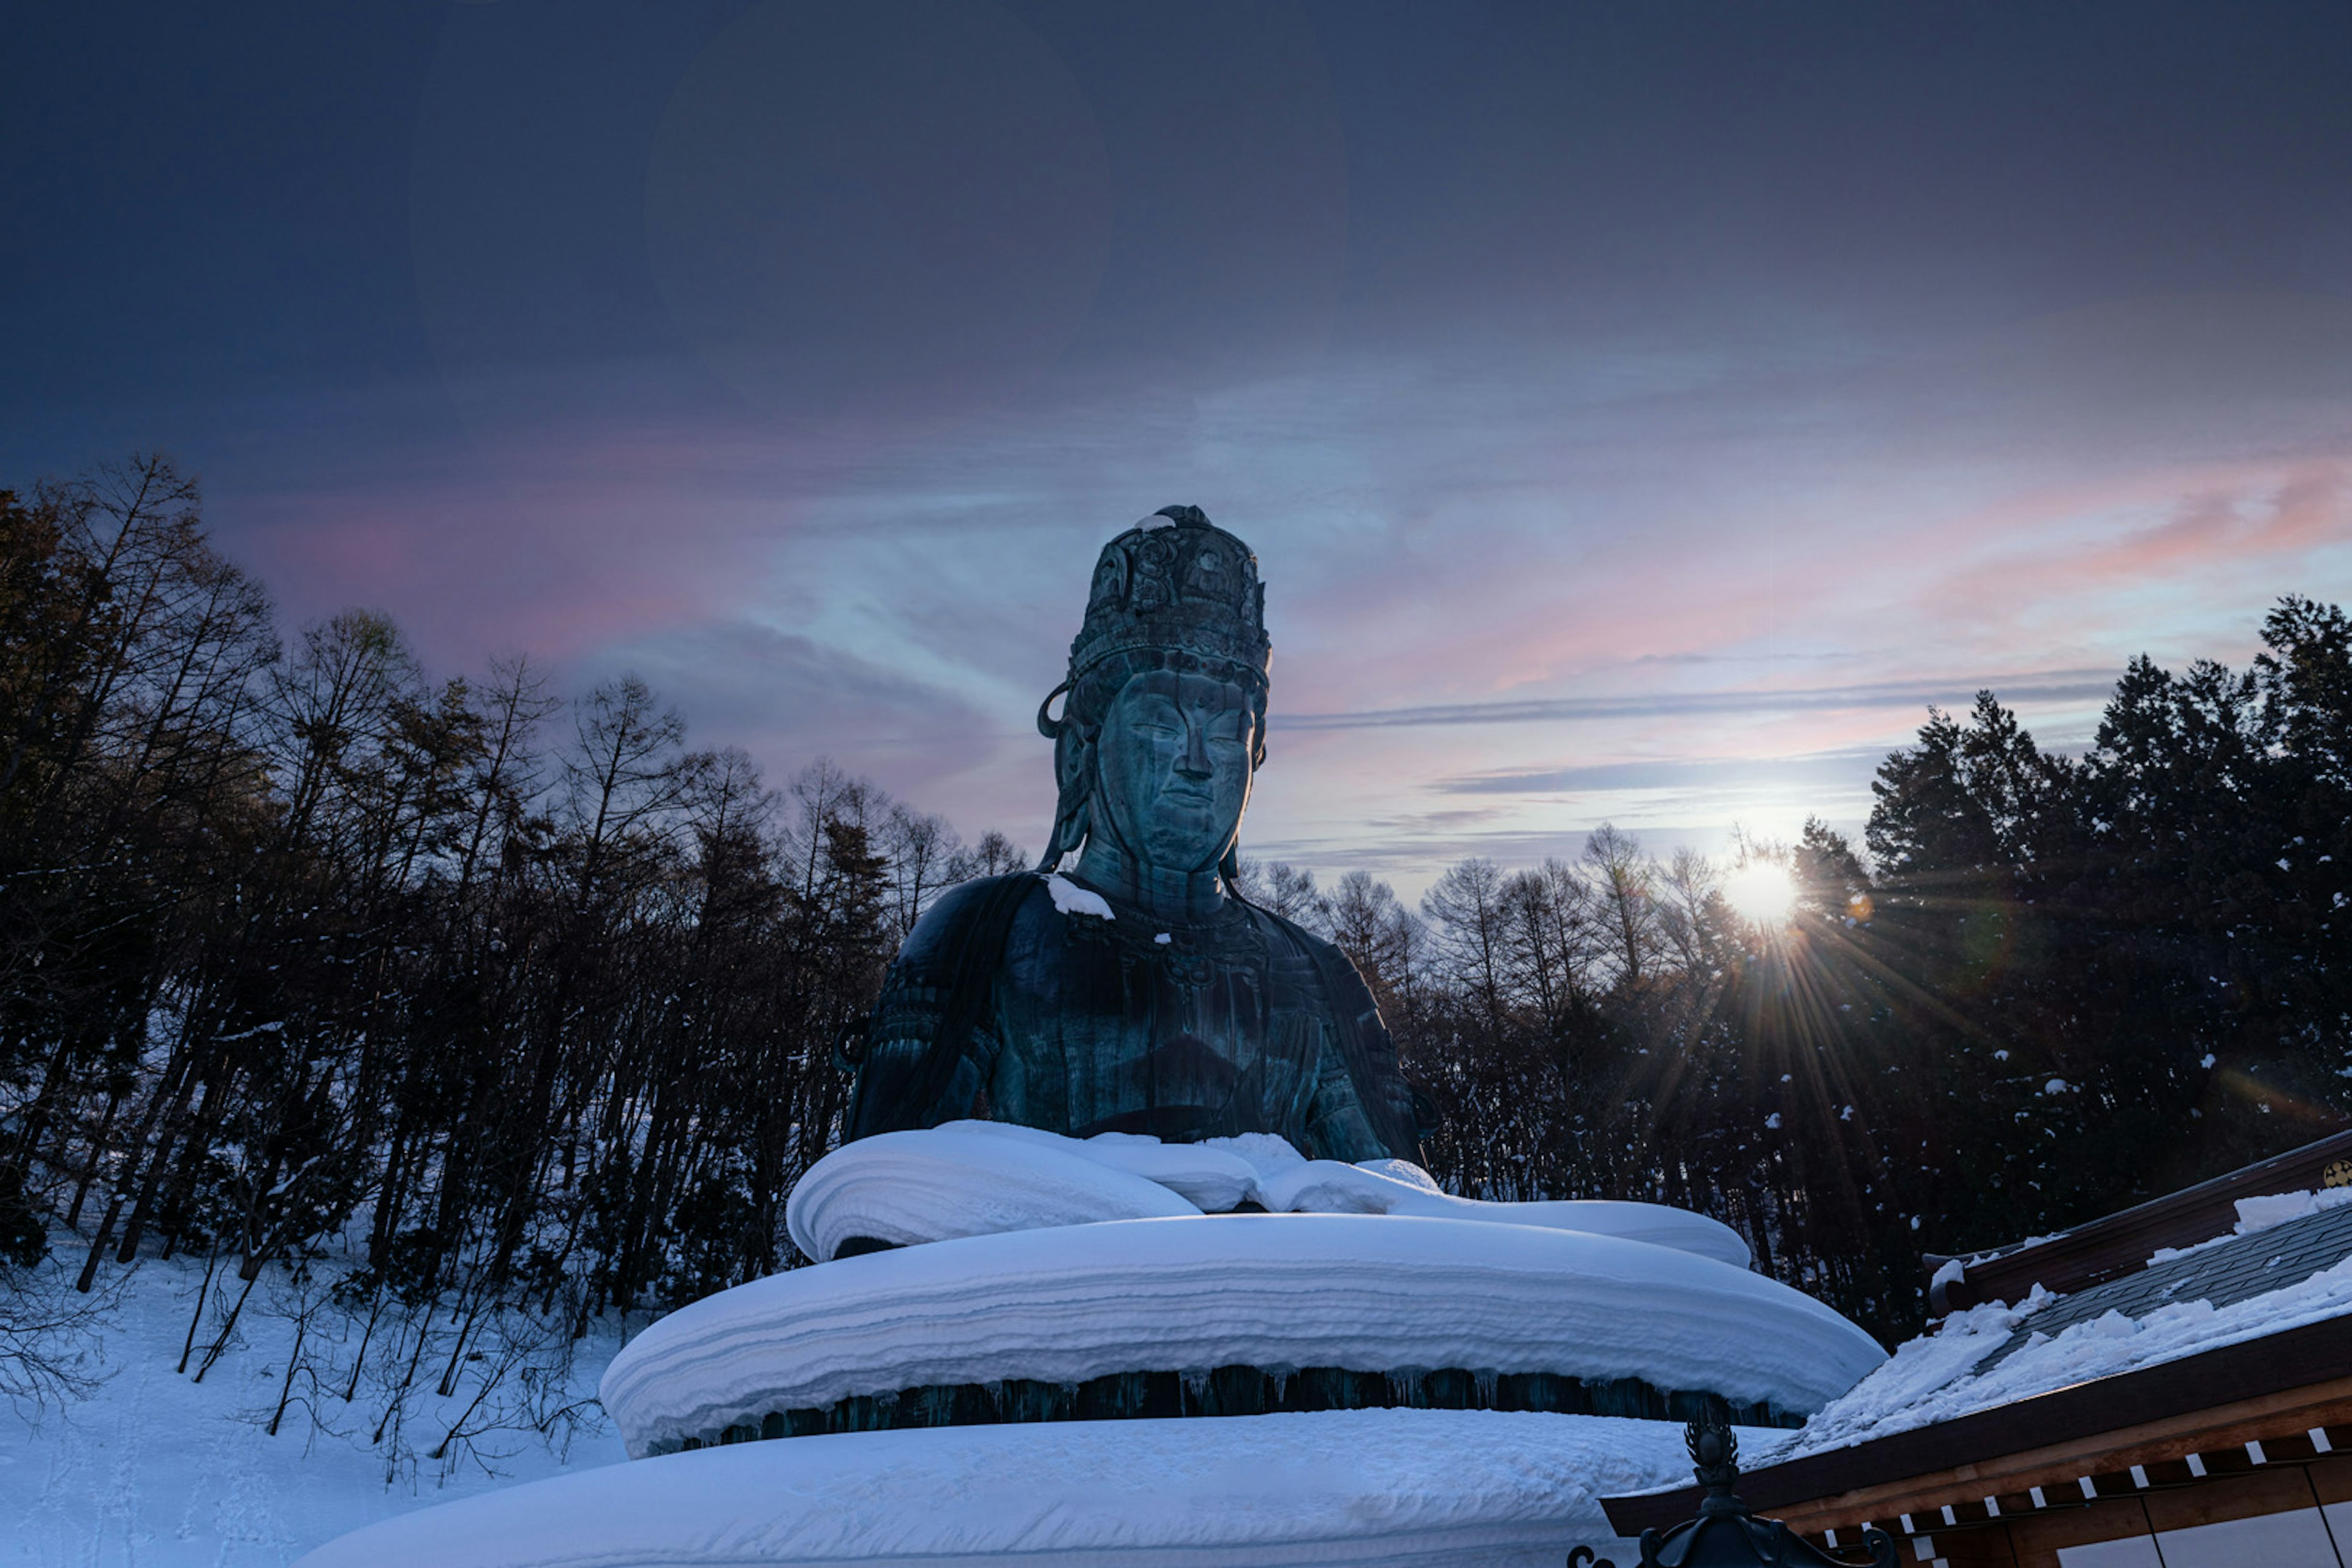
x=1714, y=1449
x=1725, y=1534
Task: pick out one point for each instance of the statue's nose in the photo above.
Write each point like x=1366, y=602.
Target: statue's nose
x=1194, y=762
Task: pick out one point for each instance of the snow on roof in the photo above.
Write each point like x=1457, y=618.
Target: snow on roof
x=2289, y=1263
x=1277, y=1292
x=1370, y=1488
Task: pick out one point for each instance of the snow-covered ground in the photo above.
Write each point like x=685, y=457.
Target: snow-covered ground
x=155, y=1470
x=1370, y=1488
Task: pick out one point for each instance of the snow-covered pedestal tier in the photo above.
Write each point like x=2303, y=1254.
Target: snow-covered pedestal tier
x=1225, y=1311
x=1366, y=1487
x=1004, y=1274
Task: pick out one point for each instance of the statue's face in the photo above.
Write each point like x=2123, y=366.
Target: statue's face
x=1174, y=761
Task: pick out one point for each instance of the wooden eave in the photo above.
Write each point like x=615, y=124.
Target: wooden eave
x=2114, y=1246
x=2268, y=1401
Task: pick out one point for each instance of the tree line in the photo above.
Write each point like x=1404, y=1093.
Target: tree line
x=532, y=1008
x=2054, y=986
x=525, y=1000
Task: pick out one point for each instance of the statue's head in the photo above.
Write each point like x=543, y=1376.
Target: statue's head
x=1164, y=720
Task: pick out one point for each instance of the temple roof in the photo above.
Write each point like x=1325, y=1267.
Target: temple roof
x=2133, y=1372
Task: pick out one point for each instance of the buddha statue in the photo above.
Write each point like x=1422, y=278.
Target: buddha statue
x=1139, y=992
x=986, y=1251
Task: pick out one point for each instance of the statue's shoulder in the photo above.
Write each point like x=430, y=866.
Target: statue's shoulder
x=1398, y=1112
x=979, y=911
x=1328, y=956
x=1287, y=928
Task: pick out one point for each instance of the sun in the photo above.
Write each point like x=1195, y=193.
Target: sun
x=1761, y=892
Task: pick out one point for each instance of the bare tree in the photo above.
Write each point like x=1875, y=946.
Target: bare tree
x=1623, y=881
x=52, y=1339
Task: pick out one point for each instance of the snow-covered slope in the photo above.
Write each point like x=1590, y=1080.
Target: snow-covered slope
x=981, y=1178
x=1278, y=1292
x=154, y=1470
x=1364, y=1488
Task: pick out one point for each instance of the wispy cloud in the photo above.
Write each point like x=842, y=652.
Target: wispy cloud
x=2051, y=686
x=1822, y=769
x=1711, y=596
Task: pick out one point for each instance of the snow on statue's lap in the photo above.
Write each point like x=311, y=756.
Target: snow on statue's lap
x=980, y=1178
x=967, y=1179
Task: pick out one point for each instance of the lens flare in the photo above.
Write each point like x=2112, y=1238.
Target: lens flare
x=1761, y=892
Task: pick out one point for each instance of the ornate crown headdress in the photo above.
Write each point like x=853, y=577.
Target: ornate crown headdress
x=1177, y=584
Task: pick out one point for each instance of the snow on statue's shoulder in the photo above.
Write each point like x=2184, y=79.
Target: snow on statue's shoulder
x=1073, y=900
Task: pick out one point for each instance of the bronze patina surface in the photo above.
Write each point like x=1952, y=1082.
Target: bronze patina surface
x=1190, y=1013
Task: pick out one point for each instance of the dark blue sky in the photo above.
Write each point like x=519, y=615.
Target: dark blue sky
x=1659, y=402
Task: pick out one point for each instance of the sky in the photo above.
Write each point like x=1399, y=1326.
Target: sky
x=1640, y=413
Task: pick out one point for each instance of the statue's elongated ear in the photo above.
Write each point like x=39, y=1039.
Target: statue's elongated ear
x=1069, y=831
x=1075, y=828
x=1074, y=768
x=1047, y=725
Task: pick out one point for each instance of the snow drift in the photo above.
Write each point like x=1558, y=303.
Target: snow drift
x=1370, y=1488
